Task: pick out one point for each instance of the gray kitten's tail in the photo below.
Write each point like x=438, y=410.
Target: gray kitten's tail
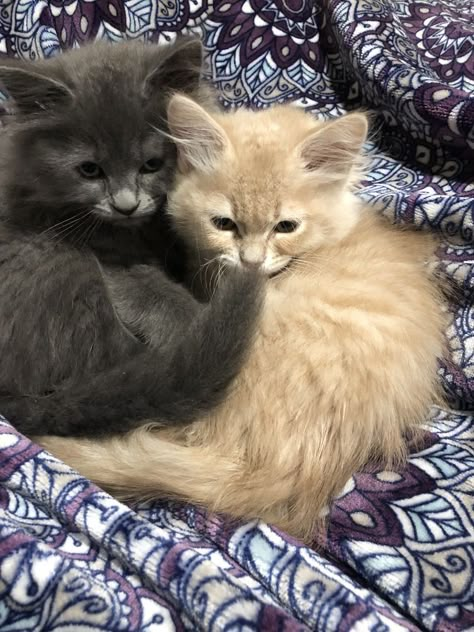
x=148, y=386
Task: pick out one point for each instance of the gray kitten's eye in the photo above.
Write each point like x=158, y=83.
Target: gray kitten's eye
x=286, y=226
x=152, y=165
x=90, y=170
x=224, y=223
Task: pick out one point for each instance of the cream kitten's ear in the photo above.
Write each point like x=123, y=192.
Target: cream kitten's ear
x=335, y=148
x=199, y=139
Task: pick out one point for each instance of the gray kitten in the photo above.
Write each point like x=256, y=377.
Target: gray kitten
x=84, y=177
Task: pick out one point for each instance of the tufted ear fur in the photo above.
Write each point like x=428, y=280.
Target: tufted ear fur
x=30, y=90
x=199, y=139
x=333, y=150
x=176, y=70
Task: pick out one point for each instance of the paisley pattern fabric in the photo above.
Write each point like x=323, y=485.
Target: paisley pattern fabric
x=399, y=550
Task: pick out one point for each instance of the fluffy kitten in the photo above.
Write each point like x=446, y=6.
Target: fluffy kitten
x=344, y=365
x=85, y=173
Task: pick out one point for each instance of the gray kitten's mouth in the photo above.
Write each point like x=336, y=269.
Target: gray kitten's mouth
x=132, y=220
x=125, y=220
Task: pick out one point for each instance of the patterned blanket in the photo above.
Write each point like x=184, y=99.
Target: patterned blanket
x=399, y=551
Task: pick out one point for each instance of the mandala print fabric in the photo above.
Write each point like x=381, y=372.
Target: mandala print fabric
x=399, y=550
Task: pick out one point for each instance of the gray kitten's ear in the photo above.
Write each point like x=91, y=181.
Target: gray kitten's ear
x=178, y=68
x=200, y=140
x=32, y=91
x=335, y=148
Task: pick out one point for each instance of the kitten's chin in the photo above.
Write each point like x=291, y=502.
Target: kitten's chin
x=124, y=220
x=274, y=272
x=273, y=269
x=269, y=271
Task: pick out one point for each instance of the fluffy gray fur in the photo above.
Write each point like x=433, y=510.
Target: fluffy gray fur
x=84, y=177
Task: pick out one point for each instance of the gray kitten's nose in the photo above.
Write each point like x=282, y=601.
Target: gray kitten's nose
x=125, y=202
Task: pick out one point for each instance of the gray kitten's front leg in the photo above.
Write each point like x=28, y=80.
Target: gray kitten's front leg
x=195, y=351
x=151, y=306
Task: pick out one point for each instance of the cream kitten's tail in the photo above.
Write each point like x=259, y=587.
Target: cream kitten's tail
x=143, y=466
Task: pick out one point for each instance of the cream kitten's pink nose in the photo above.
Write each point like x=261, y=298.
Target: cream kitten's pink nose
x=252, y=255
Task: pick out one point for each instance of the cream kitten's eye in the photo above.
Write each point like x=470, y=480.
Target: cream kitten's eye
x=286, y=226
x=224, y=223
x=90, y=170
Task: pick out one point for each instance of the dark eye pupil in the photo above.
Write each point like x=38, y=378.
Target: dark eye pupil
x=224, y=223
x=90, y=170
x=154, y=164
x=286, y=226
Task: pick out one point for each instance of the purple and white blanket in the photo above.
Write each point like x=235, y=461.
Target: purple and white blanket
x=399, y=551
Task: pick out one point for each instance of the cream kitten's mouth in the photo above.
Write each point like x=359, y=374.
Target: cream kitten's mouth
x=229, y=259
x=284, y=268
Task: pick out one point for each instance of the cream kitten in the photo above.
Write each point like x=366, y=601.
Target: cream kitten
x=344, y=365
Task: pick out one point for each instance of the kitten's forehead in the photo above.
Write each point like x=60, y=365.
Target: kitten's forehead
x=109, y=107
x=121, y=132
x=256, y=200
x=264, y=164
x=118, y=125
x=269, y=133
x=261, y=147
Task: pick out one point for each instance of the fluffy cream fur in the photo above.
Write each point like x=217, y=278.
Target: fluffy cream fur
x=344, y=364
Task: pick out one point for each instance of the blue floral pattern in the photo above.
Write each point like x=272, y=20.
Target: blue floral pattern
x=399, y=550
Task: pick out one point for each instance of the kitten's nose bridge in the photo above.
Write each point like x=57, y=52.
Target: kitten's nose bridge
x=125, y=201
